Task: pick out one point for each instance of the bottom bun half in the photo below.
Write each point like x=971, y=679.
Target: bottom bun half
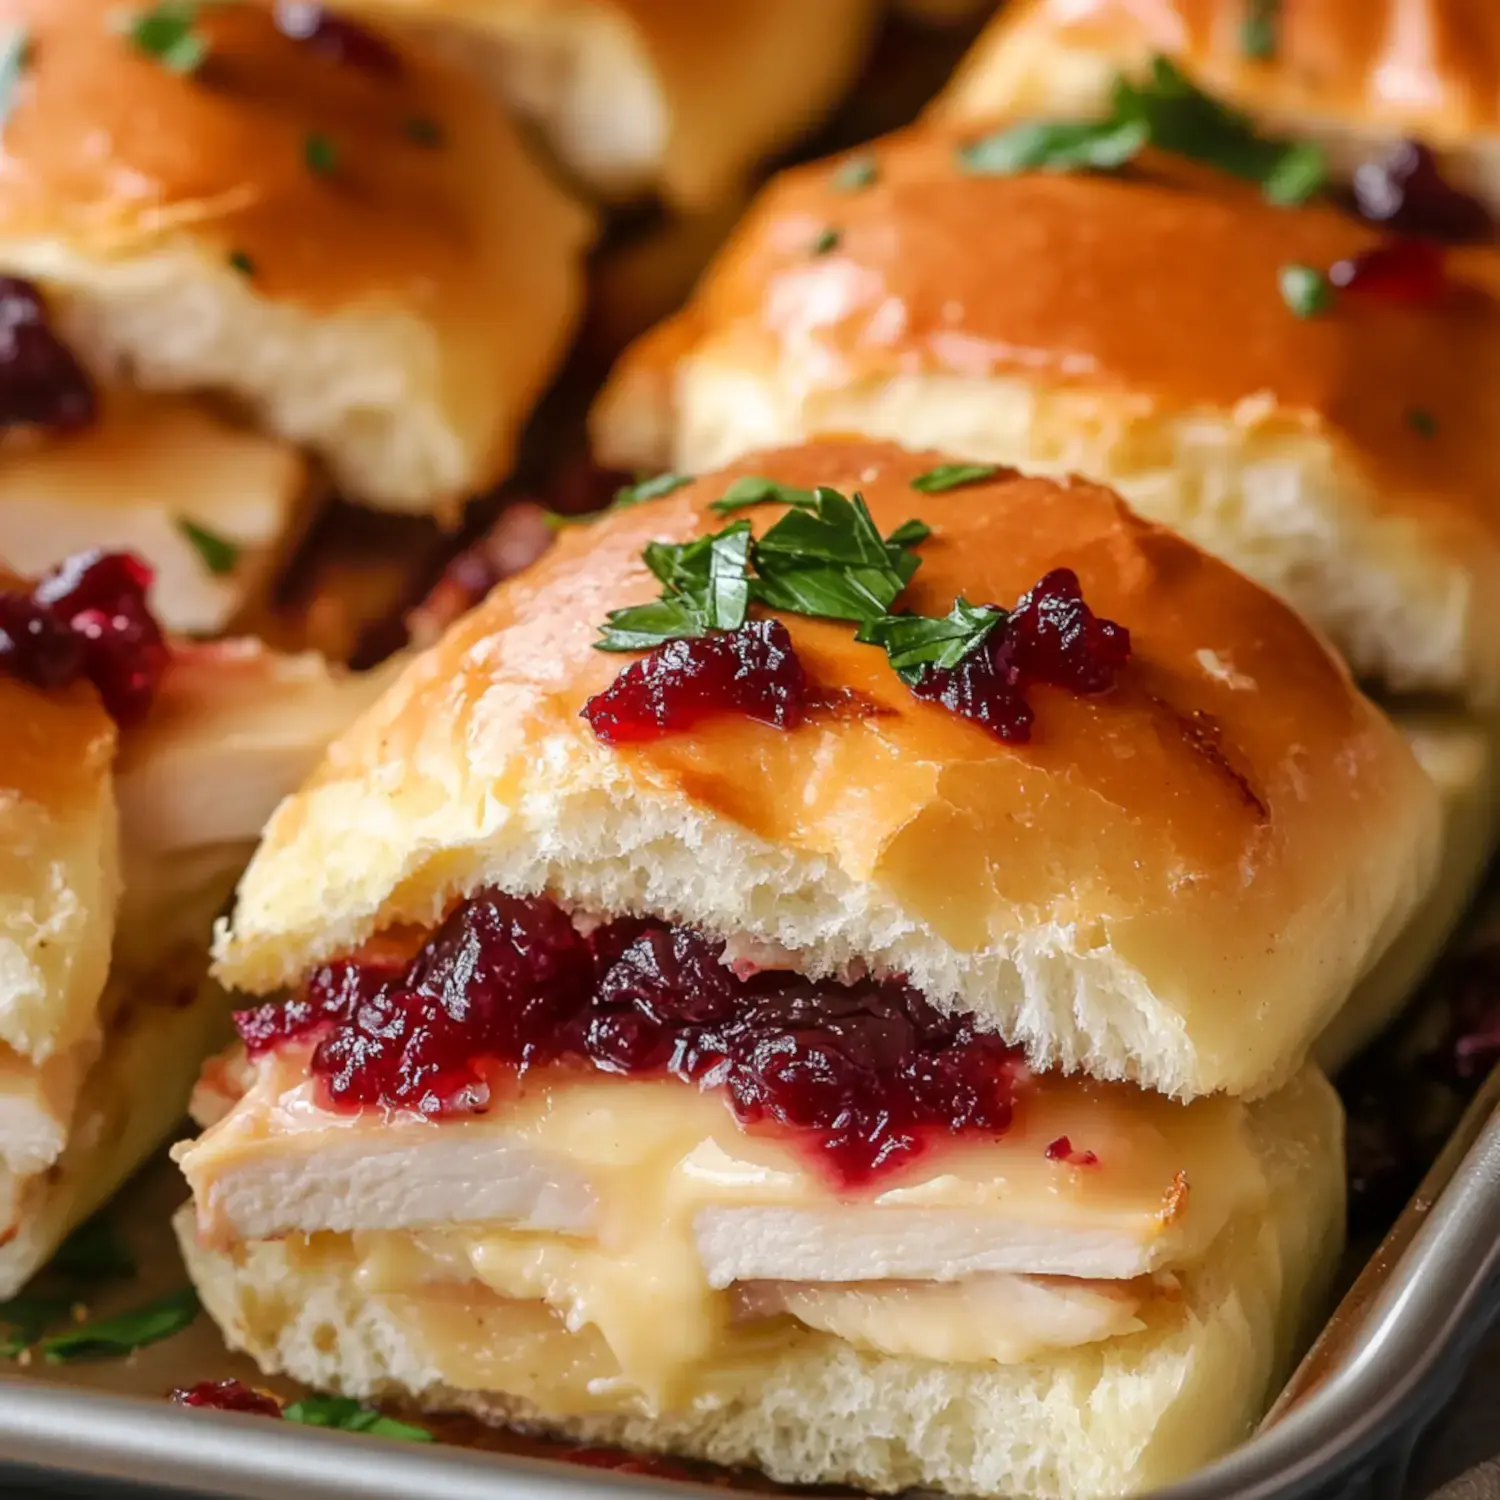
x=1113, y=1418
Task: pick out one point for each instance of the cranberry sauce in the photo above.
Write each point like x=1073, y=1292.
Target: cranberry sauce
x=865, y=1073
x=336, y=38
x=752, y=671
x=1051, y=636
x=1405, y=191
x=1410, y=271
x=227, y=1395
x=87, y=618
x=41, y=382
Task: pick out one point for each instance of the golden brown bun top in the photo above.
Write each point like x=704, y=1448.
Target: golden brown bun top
x=1160, y=287
x=110, y=151
x=1235, y=776
x=1428, y=67
x=57, y=744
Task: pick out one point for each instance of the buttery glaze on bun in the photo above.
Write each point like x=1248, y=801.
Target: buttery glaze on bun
x=1175, y=883
x=362, y=255
x=1353, y=74
x=642, y=96
x=1133, y=329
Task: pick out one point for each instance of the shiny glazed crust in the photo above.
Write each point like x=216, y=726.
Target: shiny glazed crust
x=1114, y=895
x=369, y=261
x=641, y=96
x=1132, y=329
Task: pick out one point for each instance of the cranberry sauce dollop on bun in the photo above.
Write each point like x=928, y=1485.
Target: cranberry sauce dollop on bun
x=136, y=773
x=1401, y=97
x=816, y=972
x=1304, y=394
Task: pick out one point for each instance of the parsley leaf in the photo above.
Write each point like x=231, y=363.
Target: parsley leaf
x=827, y=241
x=705, y=586
x=916, y=642
x=648, y=489
x=856, y=174
x=1055, y=146
x=320, y=154
x=1305, y=290
x=94, y=1250
x=348, y=1415
x=1167, y=111
x=126, y=1331
x=219, y=554
x=239, y=261
x=751, y=489
x=1258, y=29
x=167, y=31
x=952, y=477
x=15, y=55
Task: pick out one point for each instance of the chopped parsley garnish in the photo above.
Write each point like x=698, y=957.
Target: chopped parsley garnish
x=168, y=32
x=916, y=642
x=751, y=489
x=15, y=55
x=856, y=174
x=241, y=262
x=826, y=241
x=1055, y=146
x=127, y=1331
x=824, y=557
x=1421, y=421
x=421, y=130
x=1168, y=112
x=648, y=489
x=952, y=477
x=1305, y=290
x=219, y=554
x=320, y=153
x=347, y=1415
x=23, y=1320
x=1258, y=29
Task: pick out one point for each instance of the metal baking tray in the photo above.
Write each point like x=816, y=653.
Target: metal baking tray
x=1384, y=1366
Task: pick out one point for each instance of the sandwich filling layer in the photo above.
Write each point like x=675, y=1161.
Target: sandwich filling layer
x=659, y=1150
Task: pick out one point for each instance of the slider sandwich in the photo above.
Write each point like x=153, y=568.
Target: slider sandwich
x=637, y=98
x=1402, y=96
x=1296, y=391
x=135, y=775
x=822, y=983
x=225, y=238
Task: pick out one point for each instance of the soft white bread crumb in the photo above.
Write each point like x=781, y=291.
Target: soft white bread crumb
x=371, y=264
x=1115, y=897
x=636, y=97
x=1112, y=1419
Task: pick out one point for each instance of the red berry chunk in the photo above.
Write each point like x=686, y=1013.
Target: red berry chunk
x=1402, y=271
x=866, y=1073
x=228, y=1395
x=752, y=671
x=1405, y=190
x=41, y=383
x=1062, y=1150
x=336, y=38
x=87, y=618
x=1051, y=636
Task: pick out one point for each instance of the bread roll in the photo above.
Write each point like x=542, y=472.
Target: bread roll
x=359, y=252
x=1134, y=329
x=1355, y=75
x=1110, y=1418
x=1117, y=895
x=643, y=96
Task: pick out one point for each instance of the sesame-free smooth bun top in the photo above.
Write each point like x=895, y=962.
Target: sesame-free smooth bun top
x=641, y=96
x=1416, y=67
x=343, y=233
x=1135, y=328
x=1175, y=881
x=58, y=860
